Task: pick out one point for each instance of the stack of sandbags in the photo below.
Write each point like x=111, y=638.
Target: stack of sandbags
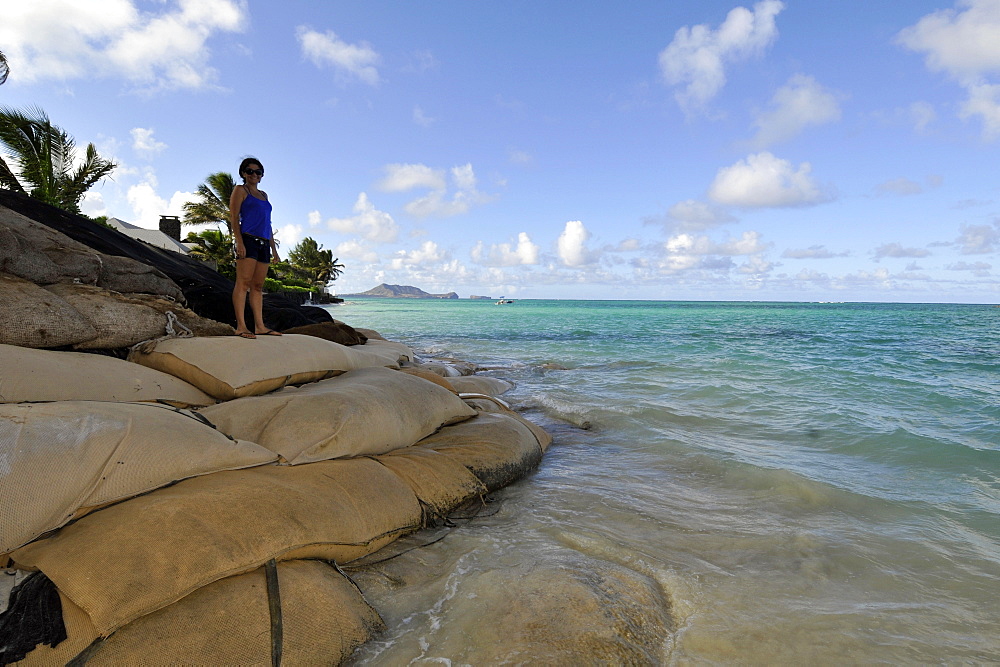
x=362, y=412
x=233, y=367
x=28, y=374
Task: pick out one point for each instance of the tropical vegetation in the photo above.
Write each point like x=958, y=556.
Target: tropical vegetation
x=212, y=203
x=38, y=159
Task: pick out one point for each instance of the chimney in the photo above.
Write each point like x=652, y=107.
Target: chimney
x=171, y=226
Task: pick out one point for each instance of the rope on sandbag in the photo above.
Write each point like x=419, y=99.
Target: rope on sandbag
x=173, y=329
x=274, y=607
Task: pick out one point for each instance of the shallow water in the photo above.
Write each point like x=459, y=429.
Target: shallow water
x=728, y=482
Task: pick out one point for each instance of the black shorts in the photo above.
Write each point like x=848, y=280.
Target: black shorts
x=257, y=248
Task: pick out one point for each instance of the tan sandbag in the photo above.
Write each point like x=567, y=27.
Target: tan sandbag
x=385, y=352
x=366, y=411
x=119, y=321
x=48, y=375
x=441, y=368
x=228, y=367
x=324, y=617
x=124, y=274
x=497, y=448
x=130, y=559
x=199, y=326
x=463, y=367
x=440, y=482
x=480, y=384
x=31, y=316
x=335, y=331
x=429, y=376
x=61, y=458
x=492, y=404
x=39, y=254
x=370, y=334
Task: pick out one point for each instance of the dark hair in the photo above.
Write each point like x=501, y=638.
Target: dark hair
x=247, y=161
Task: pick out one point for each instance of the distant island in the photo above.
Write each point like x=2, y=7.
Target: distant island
x=401, y=292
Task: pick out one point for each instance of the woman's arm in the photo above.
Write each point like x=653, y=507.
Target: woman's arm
x=274, y=249
x=235, y=201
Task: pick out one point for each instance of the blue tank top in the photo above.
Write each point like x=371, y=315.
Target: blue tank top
x=255, y=217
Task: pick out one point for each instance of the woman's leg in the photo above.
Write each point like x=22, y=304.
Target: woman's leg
x=246, y=269
x=257, y=297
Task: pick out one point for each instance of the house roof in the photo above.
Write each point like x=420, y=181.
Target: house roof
x=153, y=237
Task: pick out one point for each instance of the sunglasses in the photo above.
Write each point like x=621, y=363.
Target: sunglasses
x=259, y=172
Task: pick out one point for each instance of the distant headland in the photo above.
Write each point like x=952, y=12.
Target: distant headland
x=401, y=292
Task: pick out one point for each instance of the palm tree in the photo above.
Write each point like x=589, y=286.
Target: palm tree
x=319, y=264
x=213, y=201
x=214, y=245
x=43, y=155
x=4, y=68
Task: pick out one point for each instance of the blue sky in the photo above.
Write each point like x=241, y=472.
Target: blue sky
x=778, y=150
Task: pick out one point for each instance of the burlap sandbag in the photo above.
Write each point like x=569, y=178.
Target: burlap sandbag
x=367, y=411
x=228, y=367
x=492, y=404
x=370, y=334
x=119, y=321
x=47, y=375
x=31, y=316
x=441, y=368
x=480, y=384
x=130, y=559
x=124, y=274
x=335, y=331
x=199, y=326
x=323, y=619
x=32, y=251
x=61, y=458
x=440, y=482
x=428, y=375
x=497, y=448
x=385, y=352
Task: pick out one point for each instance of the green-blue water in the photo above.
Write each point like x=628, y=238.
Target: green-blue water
x=803, y=481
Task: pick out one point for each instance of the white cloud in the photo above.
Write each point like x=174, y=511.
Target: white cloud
x=288, y=237
x=165, y=49
x=368, y=222
x=964, y=45
x=350, y=60
x=697, y=55
x=763, y=181
x=980, y=239
x=896, y=250
x=693, y=215
x=402, y=177
x=572, y=245
x=422, y=119
x=504, y=254
x=427, y=253
x=812, y=252
x=899, y=186
x=148, y=206
x=314, y=218
x=686, y=244
x=798, y=104
x=144, y=144
x=356, y=250
x=93, y=204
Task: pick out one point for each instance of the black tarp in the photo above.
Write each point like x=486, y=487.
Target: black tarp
x=208, y=293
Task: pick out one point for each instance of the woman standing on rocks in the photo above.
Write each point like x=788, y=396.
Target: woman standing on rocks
x=250, y=222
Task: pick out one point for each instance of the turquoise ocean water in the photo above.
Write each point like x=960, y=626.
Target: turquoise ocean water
x=765, y=482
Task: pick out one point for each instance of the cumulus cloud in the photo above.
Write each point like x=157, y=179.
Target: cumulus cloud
x=979, y=239
x=147, y=206
x=897, y=250
x=694, y=215
x=427, y=253
x=164, y=47
x=358, y=61
x=697, y=56
x=355, y=249
x=438, y=202
x=368, y=222
x=505, y=254
x=144, y=144
x=765, y=181
x=812, y=252
x=288, y=236
x=572, y=245
x=978, y=269
x=899, y=186
x=962, y=44
x=798, y=104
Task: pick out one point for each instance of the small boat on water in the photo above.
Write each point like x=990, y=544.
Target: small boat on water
x=504, y=301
